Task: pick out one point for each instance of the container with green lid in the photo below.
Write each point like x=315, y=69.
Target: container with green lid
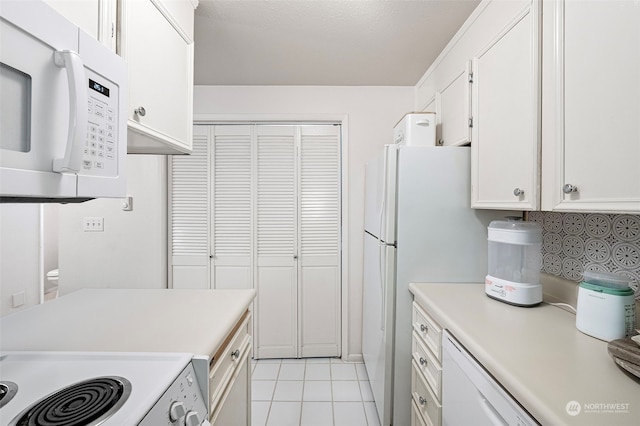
x=606, y=306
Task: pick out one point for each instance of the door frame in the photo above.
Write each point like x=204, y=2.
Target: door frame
x=313, y=119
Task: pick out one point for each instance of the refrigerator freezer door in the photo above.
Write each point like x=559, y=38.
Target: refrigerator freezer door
x=389, y=192
x=380, y=195
x=373, y=195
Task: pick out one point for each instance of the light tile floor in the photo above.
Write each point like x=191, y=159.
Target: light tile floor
x=311, y=391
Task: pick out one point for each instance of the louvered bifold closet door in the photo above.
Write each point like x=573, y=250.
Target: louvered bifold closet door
x=319, y=240
x=189, y=192
x=276, y=313
x=232, y=207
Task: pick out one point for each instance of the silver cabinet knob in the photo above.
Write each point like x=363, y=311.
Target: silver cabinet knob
x=140, y=111
x=518, y=192
x=235, y=354
x=423, y=361
x=568, y=188
x=422, y=401
x=423, y=328
x=440, y=142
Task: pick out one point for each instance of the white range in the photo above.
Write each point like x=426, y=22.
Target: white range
x=151, y=352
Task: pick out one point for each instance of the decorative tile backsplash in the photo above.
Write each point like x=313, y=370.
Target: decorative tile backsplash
x=575, y=242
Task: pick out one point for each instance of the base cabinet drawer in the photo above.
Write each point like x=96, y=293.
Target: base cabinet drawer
x=428, y=365
x=234, y=406
x=424, y=398
x=228, y=361
x=416, y=416
x=429, y=330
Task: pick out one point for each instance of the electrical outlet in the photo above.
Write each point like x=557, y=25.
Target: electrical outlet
x=93, y=224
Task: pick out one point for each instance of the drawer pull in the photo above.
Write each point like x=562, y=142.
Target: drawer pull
x=422, y=401
x=423, y=361
x=423, y=328
x=235, y=354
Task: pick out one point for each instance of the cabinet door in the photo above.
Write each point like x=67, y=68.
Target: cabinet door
x=505, y=135
x=95, y=17
x=454, y=109
x=319, y=241
x=232, y=207
x=276, y=255
x=591, y=90
x=189, y=214
x=160, y=58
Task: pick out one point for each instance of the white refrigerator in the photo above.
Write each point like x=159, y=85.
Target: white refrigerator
x=419, y=227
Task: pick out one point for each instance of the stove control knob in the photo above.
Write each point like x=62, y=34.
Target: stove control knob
x=192, y=419
x=177, y=411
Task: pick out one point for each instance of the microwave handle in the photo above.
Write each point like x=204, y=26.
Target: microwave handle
x=78, y=115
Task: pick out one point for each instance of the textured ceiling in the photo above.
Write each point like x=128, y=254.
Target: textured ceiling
x=320, y=42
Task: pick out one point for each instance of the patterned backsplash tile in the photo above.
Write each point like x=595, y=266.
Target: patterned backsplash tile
x=575, y=242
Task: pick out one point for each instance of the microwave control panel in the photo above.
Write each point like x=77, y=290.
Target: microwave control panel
x=100, y=156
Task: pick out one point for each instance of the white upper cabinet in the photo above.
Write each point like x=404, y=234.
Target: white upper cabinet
x=486, y=86
x=95, y=17
x=505, y=120
x=156, y=39
x=591, y=106
x=453, y=105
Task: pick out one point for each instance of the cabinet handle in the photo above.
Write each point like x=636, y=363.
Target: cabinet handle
x=518, y=192
x=423, y=361
x=140, y=111
x=235, y=354
x=440, y=142
x=422, y=401
x=423, y=328
x=568, y=188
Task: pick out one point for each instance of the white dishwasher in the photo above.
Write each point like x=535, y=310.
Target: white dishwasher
x=470, y=396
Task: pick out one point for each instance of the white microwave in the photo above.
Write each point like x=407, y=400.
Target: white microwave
x=63, y=134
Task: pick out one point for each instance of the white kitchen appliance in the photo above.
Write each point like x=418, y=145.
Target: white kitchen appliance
x=470, y=396
x=416, y=129
x=419, y=227
x=606, y=306
x=107, y=389
x=514, y=262
x=62, y=109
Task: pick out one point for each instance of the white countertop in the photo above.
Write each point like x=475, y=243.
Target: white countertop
x=193, y=321
x=537, y=354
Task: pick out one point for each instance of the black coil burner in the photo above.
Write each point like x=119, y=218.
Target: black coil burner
x=86, y=403
x=7, y=391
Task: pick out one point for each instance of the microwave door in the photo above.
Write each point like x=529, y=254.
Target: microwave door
x=35, y=107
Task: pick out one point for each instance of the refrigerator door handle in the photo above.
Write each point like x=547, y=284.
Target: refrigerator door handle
x=383, y=232
x=381, y=249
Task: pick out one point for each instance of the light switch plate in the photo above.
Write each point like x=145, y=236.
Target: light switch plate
x=93, y=224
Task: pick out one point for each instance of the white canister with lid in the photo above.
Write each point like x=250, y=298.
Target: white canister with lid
x=514, y=262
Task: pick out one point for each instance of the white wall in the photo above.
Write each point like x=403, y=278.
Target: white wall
x=478, y=31
x=19, y=255
x=50, y=235
x=132, y=250
x=372, y=112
